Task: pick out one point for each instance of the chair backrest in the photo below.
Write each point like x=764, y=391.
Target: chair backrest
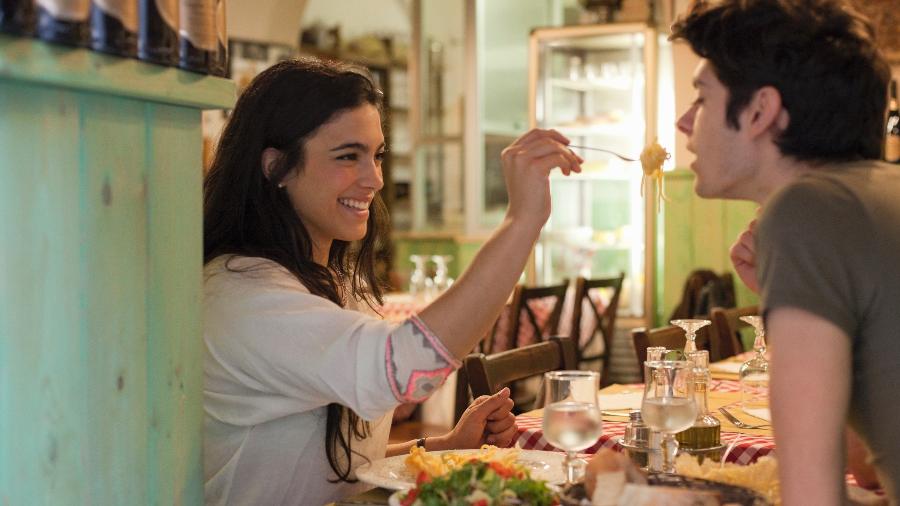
x=726, y=339
x=602, y=319
x=488, y=374
x=522, y=300
x=703, y=290
x=671, y=337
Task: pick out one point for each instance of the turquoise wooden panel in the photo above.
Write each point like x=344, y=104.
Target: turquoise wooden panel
x=43, y=413
x=695, y=233
x=175, y=374
x=100, y=278
x=113, y=245
x=50, y=64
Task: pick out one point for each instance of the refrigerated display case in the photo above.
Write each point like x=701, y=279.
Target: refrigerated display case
x=597, y=85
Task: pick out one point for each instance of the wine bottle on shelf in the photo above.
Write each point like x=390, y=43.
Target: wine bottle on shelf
x=17, y=17
x=64, y=21
x=220, y=64
x=114, y=25
x=158, y=31
x=892, y=129
x=197, y=35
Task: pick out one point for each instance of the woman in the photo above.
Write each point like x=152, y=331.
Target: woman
x=300, y=382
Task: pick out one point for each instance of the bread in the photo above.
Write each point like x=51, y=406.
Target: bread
x=645, y=495
x=606, y=475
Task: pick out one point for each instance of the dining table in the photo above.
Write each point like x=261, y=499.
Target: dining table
x=749, y=444
x=618, y=399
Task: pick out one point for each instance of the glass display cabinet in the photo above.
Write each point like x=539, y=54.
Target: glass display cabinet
x=597, y=85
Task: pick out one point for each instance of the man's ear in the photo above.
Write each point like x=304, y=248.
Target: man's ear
x=270, y=157
x=765, y=111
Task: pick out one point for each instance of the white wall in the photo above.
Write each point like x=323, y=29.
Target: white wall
x=280, y=20
x=361, y=17
x=266, y=20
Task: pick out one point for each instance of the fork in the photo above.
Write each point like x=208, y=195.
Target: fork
x=739, y=424
x=621, y=157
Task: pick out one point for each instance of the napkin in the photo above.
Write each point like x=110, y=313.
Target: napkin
x=729, y=367
x=762, y=413
x=622, y=401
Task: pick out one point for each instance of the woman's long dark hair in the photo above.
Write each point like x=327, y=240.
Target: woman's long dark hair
x=245, y=213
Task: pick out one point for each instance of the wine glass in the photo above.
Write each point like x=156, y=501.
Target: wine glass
x=690, y=328
x=572, y=419
x=754, y=373
x=418, y=280
x=442, y=280
x=668, y=405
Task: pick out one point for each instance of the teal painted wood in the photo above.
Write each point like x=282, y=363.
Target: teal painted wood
x=100, y=290
x=43, y=416
x=174, y=361
x=696, y=233
x=114, y=257
x=35, y=61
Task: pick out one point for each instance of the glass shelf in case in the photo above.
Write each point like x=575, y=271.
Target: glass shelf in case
x=593, y=84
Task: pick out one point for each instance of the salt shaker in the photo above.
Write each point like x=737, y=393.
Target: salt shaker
x=637, y=435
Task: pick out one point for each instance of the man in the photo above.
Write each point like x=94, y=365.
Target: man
x=789, y=112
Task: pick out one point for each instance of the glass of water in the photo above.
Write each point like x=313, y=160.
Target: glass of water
x=668, y=406
x=754, y=373
x=571, y=416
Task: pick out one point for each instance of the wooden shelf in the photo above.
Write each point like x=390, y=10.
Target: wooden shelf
x=24, y=59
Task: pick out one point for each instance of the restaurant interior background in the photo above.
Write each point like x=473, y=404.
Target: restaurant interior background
x=100, y=203
x=465, y=78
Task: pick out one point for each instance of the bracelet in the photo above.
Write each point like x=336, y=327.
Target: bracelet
x=420, y=442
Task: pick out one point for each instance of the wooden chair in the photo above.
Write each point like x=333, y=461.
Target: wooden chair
x=726, y=340
x=603, y=322
x=703, y=290
x=671, y=337
x=520, y=305
x=488, y=374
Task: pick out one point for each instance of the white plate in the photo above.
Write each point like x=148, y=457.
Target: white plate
x=394, y=499
x=391, y=472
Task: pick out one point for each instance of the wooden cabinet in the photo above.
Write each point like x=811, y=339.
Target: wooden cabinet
x=100, y=277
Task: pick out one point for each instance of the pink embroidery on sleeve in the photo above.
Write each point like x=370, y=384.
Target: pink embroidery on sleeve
x=435, y=342
x=415, y=346
x=389, y=363
x=423, y=383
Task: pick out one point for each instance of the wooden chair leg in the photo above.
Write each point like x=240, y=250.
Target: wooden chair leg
x=462, y=394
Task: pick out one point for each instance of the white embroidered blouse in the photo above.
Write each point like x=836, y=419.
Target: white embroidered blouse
x=275, y=356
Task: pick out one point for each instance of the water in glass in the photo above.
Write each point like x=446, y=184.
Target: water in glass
x=571, y=416
x=572, y=426
x=754, y=373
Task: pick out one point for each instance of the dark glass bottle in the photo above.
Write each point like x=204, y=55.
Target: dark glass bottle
x=220, y=65
x=892, y=129
x=64, y=21
x=114, y=25
x=197, y=30
x=17, y=17
x=158, y=31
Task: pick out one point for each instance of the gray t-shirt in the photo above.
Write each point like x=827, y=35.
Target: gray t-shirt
x=829, y=243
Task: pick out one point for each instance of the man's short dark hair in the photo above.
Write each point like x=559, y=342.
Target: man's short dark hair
x=819, y=54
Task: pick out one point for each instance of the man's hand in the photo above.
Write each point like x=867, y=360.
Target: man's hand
x=488, y=420
x=743, y=257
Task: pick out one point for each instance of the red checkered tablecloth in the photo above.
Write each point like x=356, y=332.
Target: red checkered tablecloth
x=746, y=451
x=530, y=435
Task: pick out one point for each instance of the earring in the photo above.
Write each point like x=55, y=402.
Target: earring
x=281, y=185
